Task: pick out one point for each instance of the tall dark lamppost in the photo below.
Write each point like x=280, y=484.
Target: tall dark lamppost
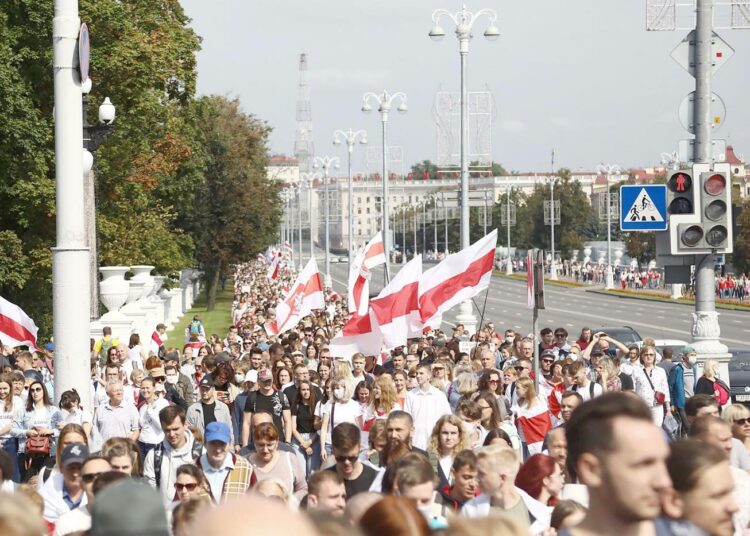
x=93, y=137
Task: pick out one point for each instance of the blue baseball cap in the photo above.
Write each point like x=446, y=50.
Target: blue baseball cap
x=218, y=431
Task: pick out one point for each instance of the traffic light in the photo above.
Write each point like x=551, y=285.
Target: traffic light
x=680, y=192
x=709, y=228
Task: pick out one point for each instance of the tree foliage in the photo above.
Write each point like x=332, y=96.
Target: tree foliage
x=741, y=255
x=151, y=179
x=239, y=209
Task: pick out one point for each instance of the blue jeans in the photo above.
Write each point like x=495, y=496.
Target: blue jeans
x=145, y=448
x=312, y=462
x=11, y=447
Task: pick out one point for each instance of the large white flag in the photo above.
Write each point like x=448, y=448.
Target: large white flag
x=16, y=327
x=305, y=295
x=372, y=255
x=460, y=276
x=396, y=308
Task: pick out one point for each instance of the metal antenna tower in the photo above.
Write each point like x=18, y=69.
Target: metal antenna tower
x=303, y=145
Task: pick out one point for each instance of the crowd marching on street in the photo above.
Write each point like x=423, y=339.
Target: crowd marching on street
x=318, y=414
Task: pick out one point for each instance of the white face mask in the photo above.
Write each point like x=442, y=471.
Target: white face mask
x=338, y=393
x=172, y=378
x=239, y=378
x=692, y=359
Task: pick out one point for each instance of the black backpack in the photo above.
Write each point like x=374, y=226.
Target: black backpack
x=159, y=457
x=591, y=389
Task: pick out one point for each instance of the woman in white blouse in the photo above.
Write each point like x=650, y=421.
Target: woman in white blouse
x=10, y=407
x=151, y=432
x=651, y=385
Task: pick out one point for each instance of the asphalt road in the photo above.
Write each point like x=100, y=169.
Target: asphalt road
x=573, y=308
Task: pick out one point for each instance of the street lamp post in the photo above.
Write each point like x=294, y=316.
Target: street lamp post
x=350, y=137
x=308, y=178
x=326, y=162
x=609, y=170
x=384, y=102
x=93, y=137
x=70, y=256
x=509, y=264
x=553, y=267
x=464, y=20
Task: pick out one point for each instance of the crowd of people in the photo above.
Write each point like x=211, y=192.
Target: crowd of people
x=454, y=433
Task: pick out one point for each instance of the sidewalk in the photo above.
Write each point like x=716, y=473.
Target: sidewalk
x=656, y=294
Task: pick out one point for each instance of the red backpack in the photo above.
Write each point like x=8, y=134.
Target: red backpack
x=721, y=392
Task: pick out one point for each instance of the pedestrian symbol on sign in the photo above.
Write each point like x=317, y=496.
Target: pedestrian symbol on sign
x=643, y=209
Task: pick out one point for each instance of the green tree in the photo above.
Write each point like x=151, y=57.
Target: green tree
x=641, y=246
x=239, y=210
x=741, y=255
x=575, y=212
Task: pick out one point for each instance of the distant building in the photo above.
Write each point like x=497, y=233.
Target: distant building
x=284, y=169
x=739, y=171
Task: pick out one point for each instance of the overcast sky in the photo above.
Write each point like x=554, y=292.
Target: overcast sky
x=581, y=76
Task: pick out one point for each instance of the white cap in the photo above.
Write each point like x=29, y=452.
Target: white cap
x=251, y=376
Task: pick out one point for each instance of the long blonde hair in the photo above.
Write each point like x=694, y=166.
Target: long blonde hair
x=463, y=440
x=530, y=396
x=388, y=395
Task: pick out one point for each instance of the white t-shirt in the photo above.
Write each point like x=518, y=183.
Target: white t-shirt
x=343, y=412
x=78, y=520
x=9, y=413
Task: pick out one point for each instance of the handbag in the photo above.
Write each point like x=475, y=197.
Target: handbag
x=38, y=446
x=659, y=397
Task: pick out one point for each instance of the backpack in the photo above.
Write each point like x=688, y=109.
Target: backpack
x=106, y=345
x=195, y=327
x=721, y=392
x=591, y=390
x=195, y=452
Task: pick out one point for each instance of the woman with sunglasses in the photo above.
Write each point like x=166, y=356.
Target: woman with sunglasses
x=39, y=418
x=10, y=407
x=491, y=382
x=738, y=417
x=269, y=463
x=190, y=482
x=651, y=385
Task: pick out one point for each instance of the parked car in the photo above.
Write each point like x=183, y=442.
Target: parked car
x=624, y=334
x=739, y=376
x=675, y=344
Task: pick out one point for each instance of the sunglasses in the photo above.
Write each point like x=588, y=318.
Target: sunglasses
x=187, y=487
x=88, y=478
x=744, y=421
x=494, y=381
x=350, y=459
x=160, y=379
x=36, y=390
x=548, y=360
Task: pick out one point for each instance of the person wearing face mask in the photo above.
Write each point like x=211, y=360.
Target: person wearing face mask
x=682, y=384
x=179, y=382
x=414, y=479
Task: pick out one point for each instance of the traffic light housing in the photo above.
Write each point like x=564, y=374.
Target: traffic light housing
x=680, y=192
x=709, y=228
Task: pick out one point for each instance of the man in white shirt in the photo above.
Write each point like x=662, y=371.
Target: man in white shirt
x=118, y=417
x=79, y=520
x=63, y=492
x=426, y=404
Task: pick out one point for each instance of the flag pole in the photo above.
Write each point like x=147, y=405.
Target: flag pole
x=481, y=316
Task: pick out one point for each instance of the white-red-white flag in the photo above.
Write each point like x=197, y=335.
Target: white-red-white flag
x=16, y=327
x=305, y=295
x=535, y=423
x=274, y=267
x=359, y=334
x=372, y=255
x=396, y=308
x=460, y=276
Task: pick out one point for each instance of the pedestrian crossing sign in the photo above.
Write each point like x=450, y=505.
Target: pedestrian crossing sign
x=643, y=207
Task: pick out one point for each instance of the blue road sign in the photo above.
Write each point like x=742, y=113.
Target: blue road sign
x=643, y=207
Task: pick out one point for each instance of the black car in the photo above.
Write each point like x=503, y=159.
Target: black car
x=739, y=376
x=624, y=334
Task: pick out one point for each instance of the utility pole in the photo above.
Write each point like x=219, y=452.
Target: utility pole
x=706, y=329
x=70, y=256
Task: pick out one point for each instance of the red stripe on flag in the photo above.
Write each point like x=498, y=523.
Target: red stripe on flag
x=357, y=325
x=313, y=285
x=357, y=290
x=431, y=300
x=15, y=330
x=375, y=250
x=399, y=303
x=535, y=428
